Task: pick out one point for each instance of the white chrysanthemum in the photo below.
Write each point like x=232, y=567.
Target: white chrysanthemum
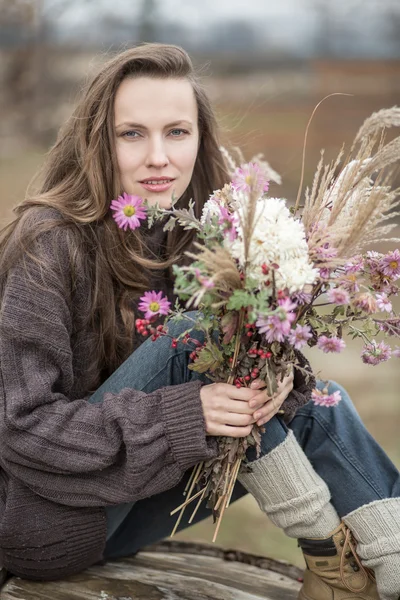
x=277, y=238
x=210, y=209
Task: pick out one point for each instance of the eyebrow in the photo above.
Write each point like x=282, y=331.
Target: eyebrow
x=139, y=126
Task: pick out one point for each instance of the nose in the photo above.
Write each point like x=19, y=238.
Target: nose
x=157, y=155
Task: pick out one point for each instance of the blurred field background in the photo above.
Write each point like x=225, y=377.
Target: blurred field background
x=265, y=75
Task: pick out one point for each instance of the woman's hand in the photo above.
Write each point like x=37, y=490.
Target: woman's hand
x=226, y=409
x=264, y=406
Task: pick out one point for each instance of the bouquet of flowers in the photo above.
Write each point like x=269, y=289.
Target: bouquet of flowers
x=268, y=279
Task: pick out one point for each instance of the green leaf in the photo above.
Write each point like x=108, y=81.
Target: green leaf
x=209, y=359
x=240, y=299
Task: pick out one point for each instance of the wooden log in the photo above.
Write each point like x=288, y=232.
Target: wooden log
x=170, y=571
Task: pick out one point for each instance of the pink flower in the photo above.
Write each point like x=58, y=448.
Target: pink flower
x=373, y=353
x=338, y=296
x=396, y=352
x=303, y=297
x=349, y=283
x=390, y=264
x=128, y=211
x=383, y=303
x=355, y=265
x=325, y=399
x=330, y=344
x=204, y=281
x=324, y=273
x=299, y=337
x=249, y=177
x=365, y=302
x=326, y=252
x=276, y=327
x=229, y=222
x=390, y=326
x=153, y=304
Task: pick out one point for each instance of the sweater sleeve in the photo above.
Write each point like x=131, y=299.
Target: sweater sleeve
x=302, y=388
x=130, y=446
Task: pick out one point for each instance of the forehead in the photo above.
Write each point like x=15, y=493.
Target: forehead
x=155, y=101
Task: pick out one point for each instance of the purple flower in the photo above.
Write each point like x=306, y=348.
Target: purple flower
x=277, y=327
x=330, y=344
x=249, y=177
x=390, y=264
x=299, y=337
x=153, y=304
x=355, y=265
x=229, y=222
x=128, y=210
x=383, y=303
x=324, y=273
x=374, y=353
x=302, y=297
x=338, y=296
x=325, y=399
x=396, y=352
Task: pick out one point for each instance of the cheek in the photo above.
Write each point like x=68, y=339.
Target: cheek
x=186, y=159
x=128, y=161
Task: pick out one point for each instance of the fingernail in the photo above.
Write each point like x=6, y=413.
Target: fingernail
x=252, y=404
x=254, y=385
x=257, y=415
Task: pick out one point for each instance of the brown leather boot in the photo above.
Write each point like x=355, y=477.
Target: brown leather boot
x=334, y=571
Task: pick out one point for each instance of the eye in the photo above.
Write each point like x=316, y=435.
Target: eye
x=178, y=132
x=130, y=134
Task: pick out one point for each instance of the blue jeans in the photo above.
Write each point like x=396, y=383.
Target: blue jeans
x=342, y=452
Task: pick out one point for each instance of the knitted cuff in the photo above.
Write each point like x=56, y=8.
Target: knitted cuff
x=376, y=527
x=290, y=492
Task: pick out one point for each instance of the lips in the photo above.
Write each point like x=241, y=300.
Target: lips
x=157, y=184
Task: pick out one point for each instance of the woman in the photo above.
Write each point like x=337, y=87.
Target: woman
x=97, y=437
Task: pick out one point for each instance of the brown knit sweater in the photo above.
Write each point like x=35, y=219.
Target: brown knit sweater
x=62, y=458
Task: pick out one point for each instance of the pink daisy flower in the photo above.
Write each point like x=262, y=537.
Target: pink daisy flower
x=373, y=353
x=153, y=304
x=299, y=337
x=338, y=296
x=330, y=344
x=249, y=177
x=383, y=302
x=390, y=264
x=128, y=210
x=325, y=399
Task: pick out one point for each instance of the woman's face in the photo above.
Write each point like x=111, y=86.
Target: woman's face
x=157, y=137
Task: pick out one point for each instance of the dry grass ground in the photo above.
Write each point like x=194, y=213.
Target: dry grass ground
x=274, y=123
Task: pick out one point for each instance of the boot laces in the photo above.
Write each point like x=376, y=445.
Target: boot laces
x=349, y=544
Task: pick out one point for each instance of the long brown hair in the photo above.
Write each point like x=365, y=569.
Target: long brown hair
x=80, y=178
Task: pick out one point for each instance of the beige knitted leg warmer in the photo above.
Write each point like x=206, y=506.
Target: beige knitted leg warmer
x=376, y=527
x=290, y=492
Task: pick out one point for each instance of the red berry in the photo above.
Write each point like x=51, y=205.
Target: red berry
x=160, y=327
x=144, y=333
x=260, y=352
x=268, y=354
x=265, y=269
x=256, y=371
x=247, y=378
x=174, y=344
x=238, y=385
x=249, y=334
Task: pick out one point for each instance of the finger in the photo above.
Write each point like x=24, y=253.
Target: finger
x=236, y=393
x=238, y=432
x=258, y=384
x=268, y=410
x=236, y=419
x=237, y=406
